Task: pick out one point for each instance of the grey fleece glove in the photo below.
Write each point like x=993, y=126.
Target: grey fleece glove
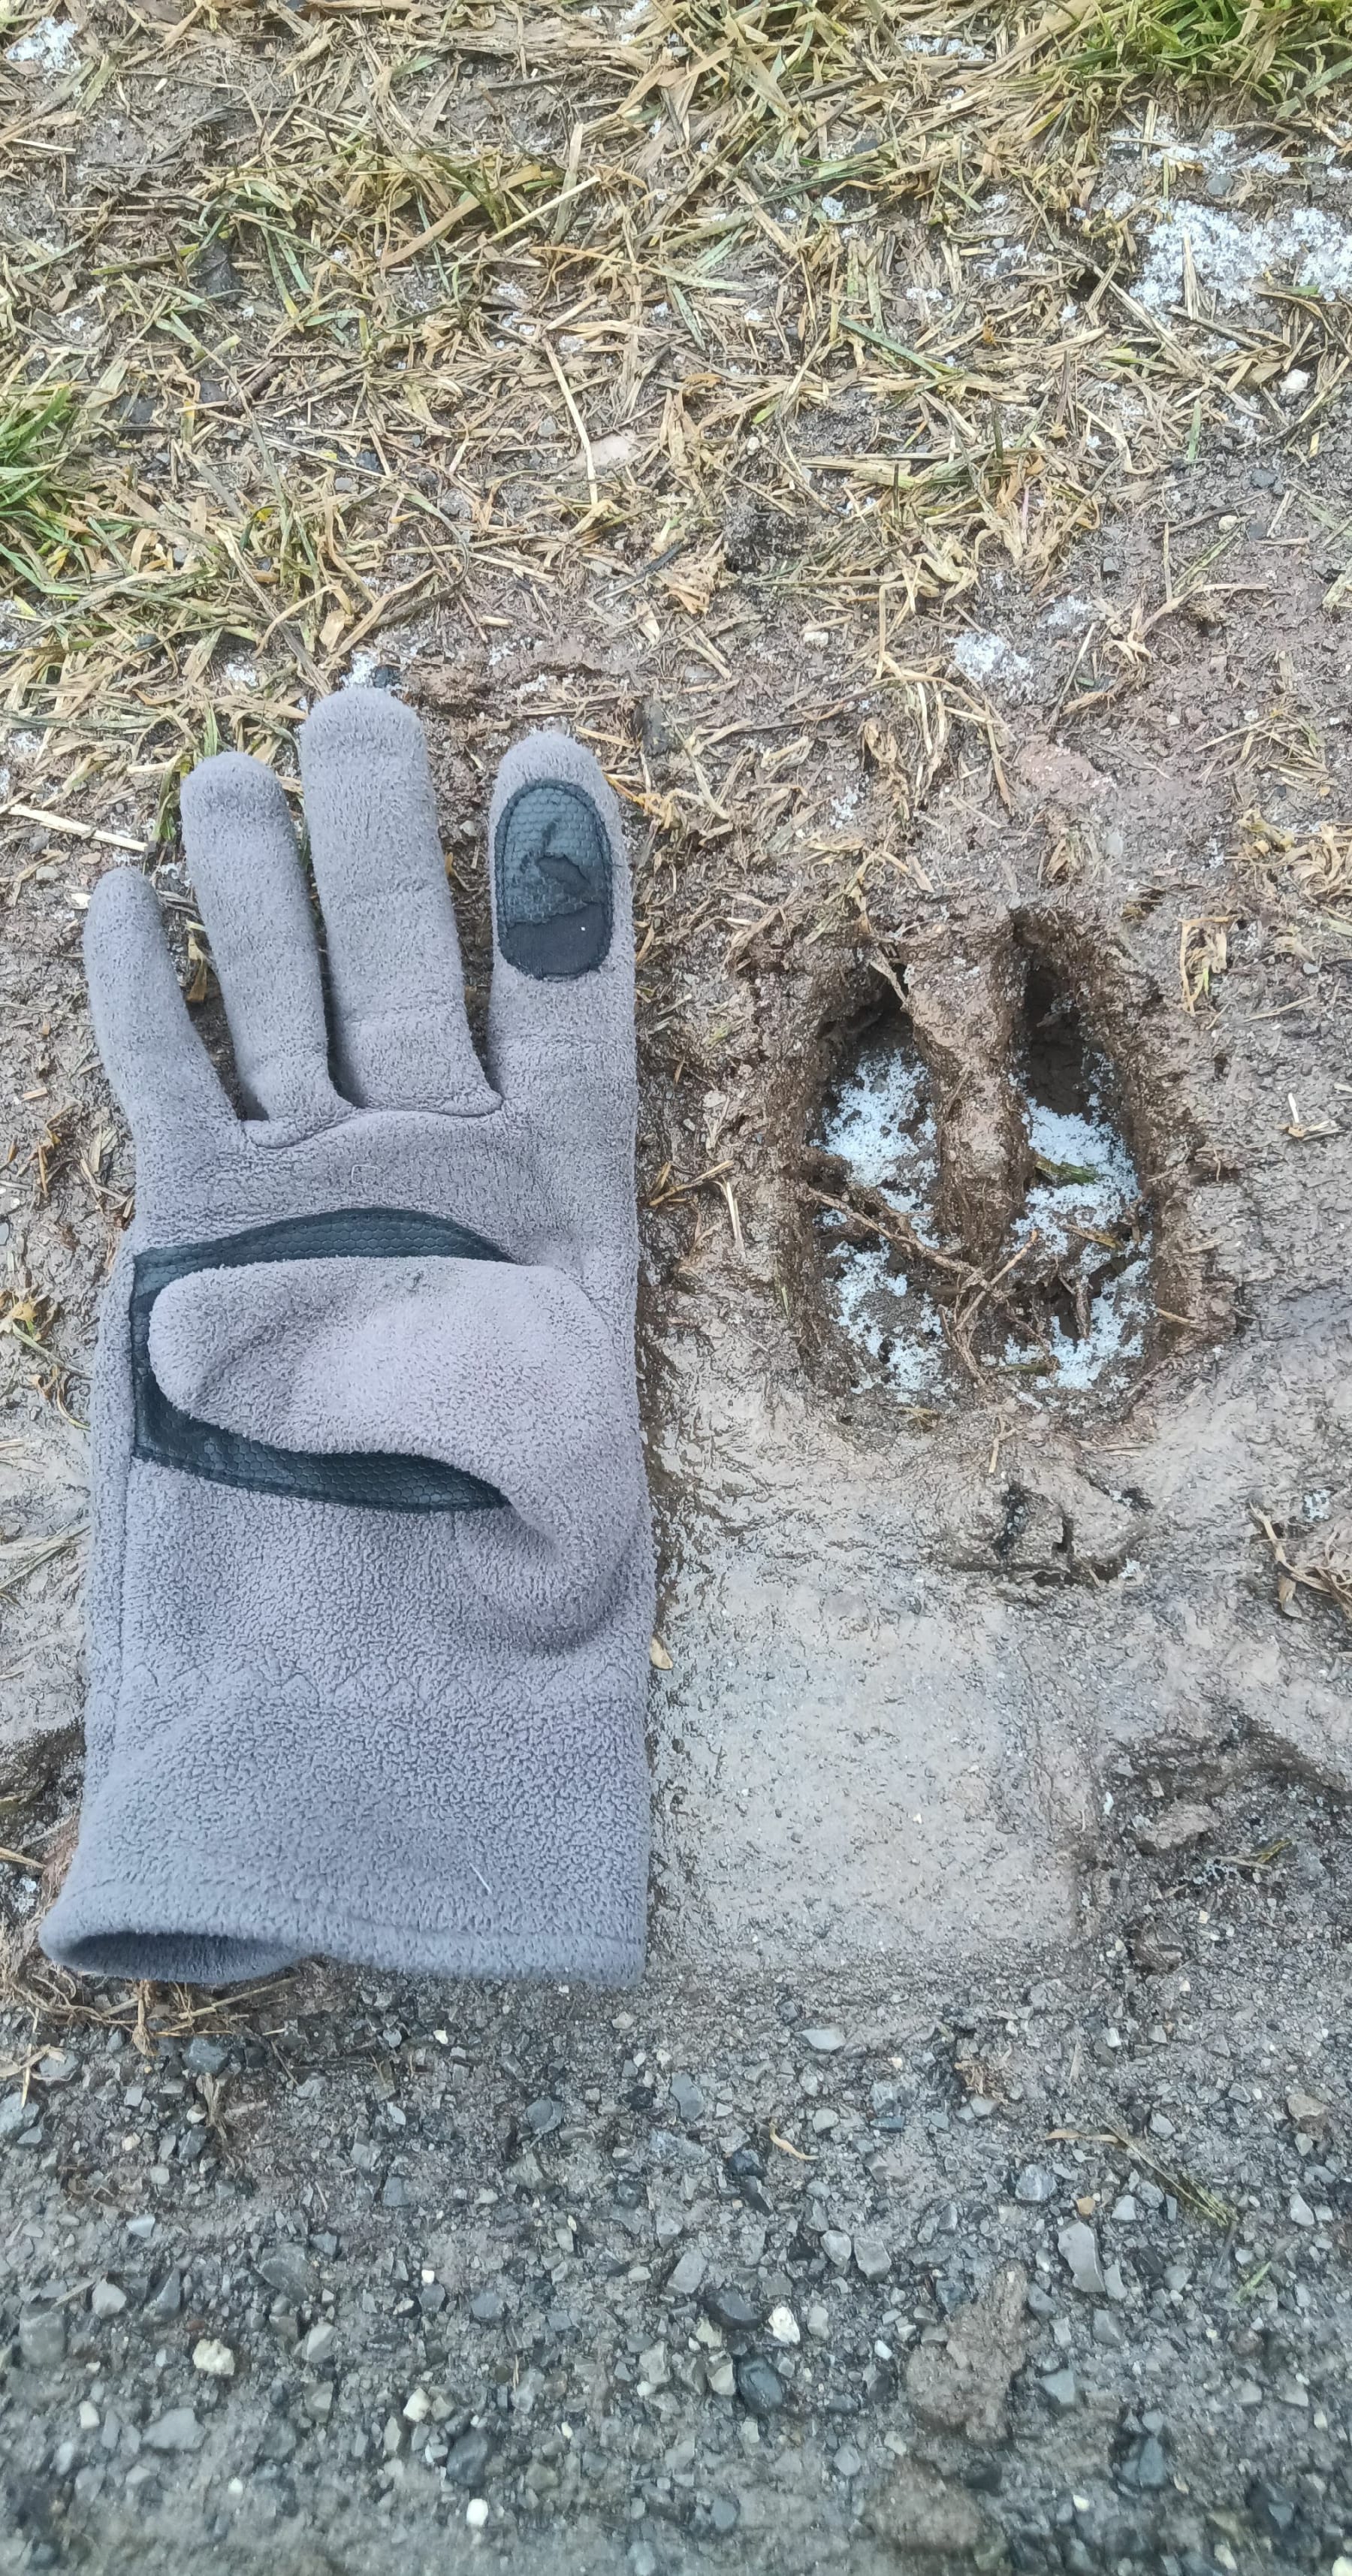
x=371, y=1589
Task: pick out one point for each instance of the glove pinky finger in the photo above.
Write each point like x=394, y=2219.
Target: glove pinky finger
x=153, y=1057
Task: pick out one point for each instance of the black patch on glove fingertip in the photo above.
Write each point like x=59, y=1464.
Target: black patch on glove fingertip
x=376, y=1480
x=552, y=866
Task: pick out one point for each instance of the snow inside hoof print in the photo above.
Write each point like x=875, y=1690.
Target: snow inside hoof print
x=1056, y=1305
x=1085, y=1294
x=879, y=1123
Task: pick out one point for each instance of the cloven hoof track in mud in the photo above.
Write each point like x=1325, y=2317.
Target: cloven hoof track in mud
x=994, y=1172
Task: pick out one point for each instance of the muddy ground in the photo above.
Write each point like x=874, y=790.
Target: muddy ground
x=1000, y=1731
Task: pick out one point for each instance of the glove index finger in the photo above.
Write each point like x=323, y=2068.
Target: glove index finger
x=153, y=1057
x=563, y=935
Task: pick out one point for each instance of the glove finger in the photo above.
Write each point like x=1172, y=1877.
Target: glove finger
x=246, y=874
x=154, y=1059
x=401, y=1035
x=563, y=933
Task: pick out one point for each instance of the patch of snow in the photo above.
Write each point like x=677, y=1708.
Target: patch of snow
x=882, y=1125
x=1232, y=254
x=360, y=669
x=1068, y=612
x=834, y=209
x=870, y=1303
x=51, y=44
x=982, y=657
x=241, y=675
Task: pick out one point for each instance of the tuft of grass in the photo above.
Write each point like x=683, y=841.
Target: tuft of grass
x=36, y=491
x=1278, y=50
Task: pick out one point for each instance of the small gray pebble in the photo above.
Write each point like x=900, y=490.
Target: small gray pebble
x=287, y=2268
x=1035, y=2184
x=467, y=2459
x=176, y=2430
x=1059, y=2389
x=759, y=2386
x=542, y=2118
x=871, y=2257
x=488, y=2307
x=1078, y=2246
x=825, y=2040
x=724, y=2514
x=205, y=2056
x=732, y=2310
x=168, y=2299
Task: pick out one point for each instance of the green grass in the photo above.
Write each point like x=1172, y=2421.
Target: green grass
x=1277, y=50
x=35, y=493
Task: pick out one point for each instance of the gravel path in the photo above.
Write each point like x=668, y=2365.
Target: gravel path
x=1041, y=2274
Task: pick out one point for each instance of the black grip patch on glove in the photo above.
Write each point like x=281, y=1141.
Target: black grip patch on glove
x=553, y=870
x=381, y=1480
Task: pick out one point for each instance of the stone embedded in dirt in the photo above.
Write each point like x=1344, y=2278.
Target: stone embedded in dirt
x=732, y=2309
x=784, y=2325
x=205, y=2056
x=42, y=2338
x=1306, y=2112
x=687, y=2097
x=15, y=2115
x=826, y=2040
x=319, y=2344
x=1177, y=1825
x=168, y=2298
x=759, y=2385
x=542, y=2118
x=287, y=2269
x=213, y=2358
x=176, y=2430
x=654, y=2367
x=396, y=2193
x=837, y=2247
x=1299, y=2211
x=1145, y=2465
x=488, y=2307
x=1059, y=2389
x=1035, y=2184
x=685, y=2276
x=923, y=2516
x=1078, y=2247
x=871, y=2257
x=1272, y=2508
x=962, y=2386
x=467, y=2459
x=106, y=2300
x=724, y=2513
